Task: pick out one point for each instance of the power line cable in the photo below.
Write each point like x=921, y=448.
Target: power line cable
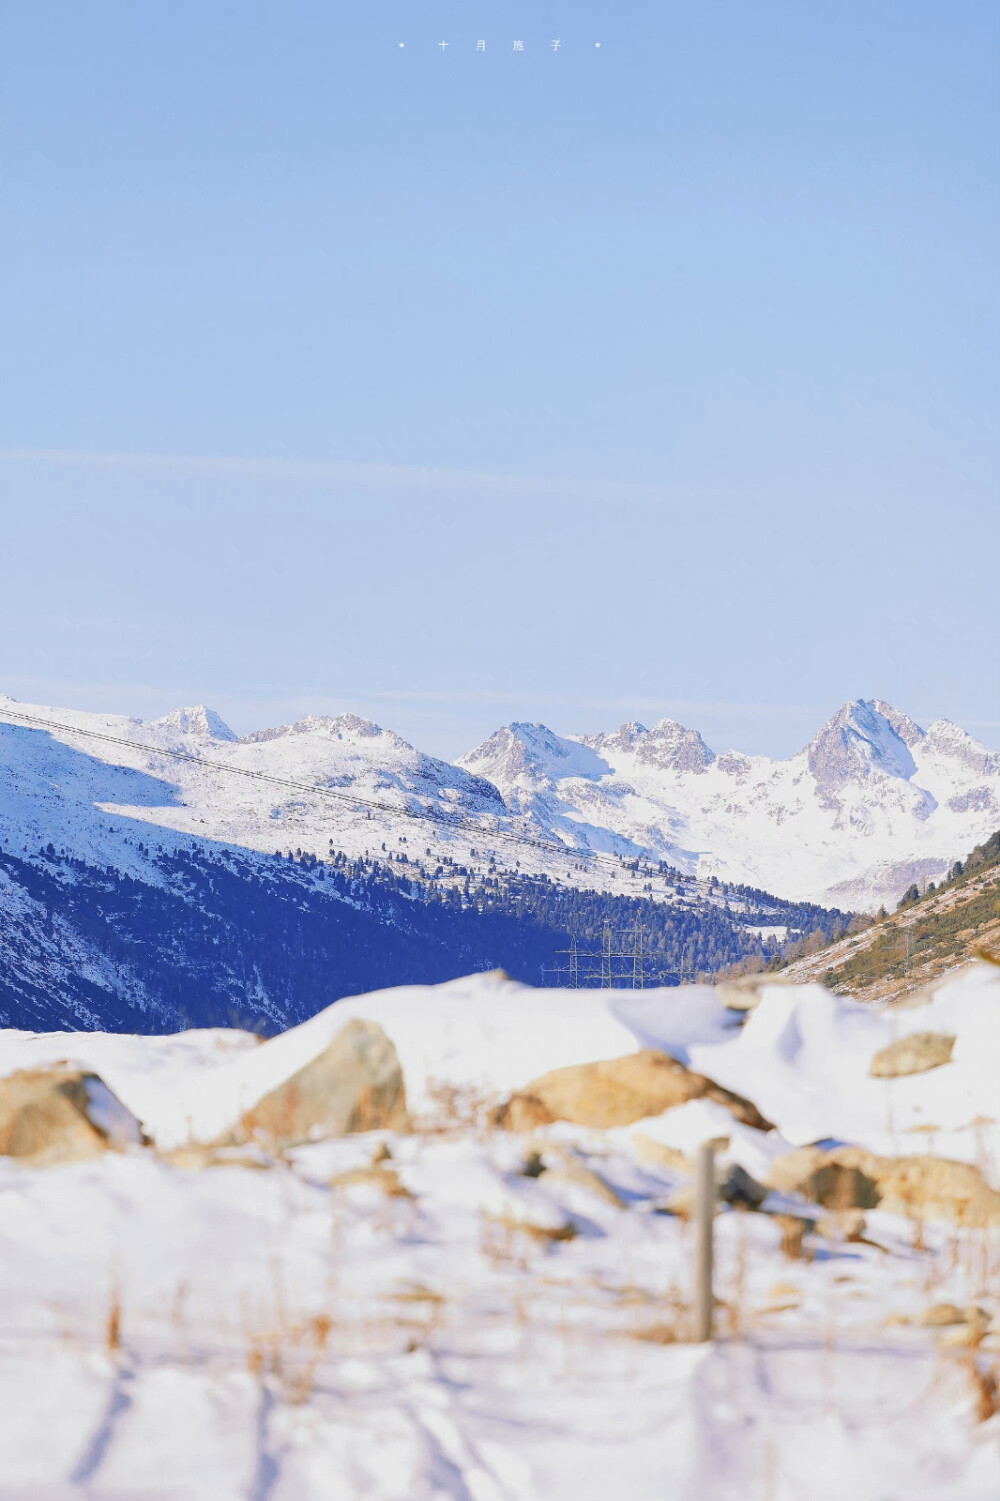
x=460, y=821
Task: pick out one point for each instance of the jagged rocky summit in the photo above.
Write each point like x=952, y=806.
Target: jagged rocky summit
x=871, y=804
x=166, y=873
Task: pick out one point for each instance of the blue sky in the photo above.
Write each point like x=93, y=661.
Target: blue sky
x=455, y=387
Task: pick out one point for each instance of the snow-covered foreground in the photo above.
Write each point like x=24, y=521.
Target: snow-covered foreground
x=446, y=1324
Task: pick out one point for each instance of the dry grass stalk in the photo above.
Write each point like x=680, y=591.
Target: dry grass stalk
x=735, y=1304
x=113, y=1326
x=793, y=1235
x=986, y=1388
x=540, y=1234
x=290, y=1354
x=453, y=1107
x=386, y=1179
x=503, y=1239
x=657, y=1334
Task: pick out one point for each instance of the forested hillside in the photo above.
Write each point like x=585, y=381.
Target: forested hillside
x=931, y=931
x=213, y=935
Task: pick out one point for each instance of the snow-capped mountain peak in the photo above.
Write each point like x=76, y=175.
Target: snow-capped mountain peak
x=668, y=745
x=870, y=805
x=672, y=746
x=198, y=723
x=345, y=727
x=522, y=754
x=907, y=729
x=859, y=740
x=948, y=741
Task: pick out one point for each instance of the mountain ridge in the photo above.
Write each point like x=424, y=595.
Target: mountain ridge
x=168, y=873
x=870, y=804
x=850, y=818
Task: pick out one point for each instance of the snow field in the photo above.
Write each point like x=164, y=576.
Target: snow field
x=449, y=1327
x=275, y=1337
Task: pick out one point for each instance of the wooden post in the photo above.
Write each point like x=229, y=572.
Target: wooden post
x=704, y=1217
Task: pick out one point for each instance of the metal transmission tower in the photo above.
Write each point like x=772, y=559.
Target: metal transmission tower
x=571, y=969
x=619, y=963
x=638, y=957
x=607, y=955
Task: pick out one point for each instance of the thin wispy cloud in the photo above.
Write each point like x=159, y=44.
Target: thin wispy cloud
x=373, y=479
x=522, y=701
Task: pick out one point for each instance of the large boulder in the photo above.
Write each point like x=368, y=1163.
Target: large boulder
x=63, y=1114
x=828, y=1178
x=616, y=1092
x=355, y=1084
x=915, y=1054
x=920, y=1187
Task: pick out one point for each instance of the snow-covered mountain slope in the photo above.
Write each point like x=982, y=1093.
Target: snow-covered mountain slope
x=187, y=774
x=166, y=874
x=870, y=805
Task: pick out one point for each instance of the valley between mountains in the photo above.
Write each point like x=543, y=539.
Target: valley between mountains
x=166, y=873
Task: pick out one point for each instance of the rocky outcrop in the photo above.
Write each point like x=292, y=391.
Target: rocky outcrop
x=672, y=747
x=616, y=1092
x=920, y=1187
x=916, y=1054
x=856, y=741
x=823, y=1177
x=59, y=1115
x=355, y=1084
x=562, y=1165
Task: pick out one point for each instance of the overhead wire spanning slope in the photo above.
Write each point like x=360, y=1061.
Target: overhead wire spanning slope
x=459, y=821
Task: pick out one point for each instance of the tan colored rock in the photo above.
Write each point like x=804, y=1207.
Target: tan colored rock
x=679, y=1203
x=59, y=1115
x=785, y=1292
x=843, y=1186
x=940, y=1315
x=522, y=1112
x=385, y=1179
x=970, y=1333
x=791, y=1171
x=824, y=1178
x=567, y=1167
x=916, y=1054
x=618, y=1091
x=921, y=1187
x=356, y=1084
x=197, y=1157
x=658, y=1154
x=742, y=994
x=930, y=1188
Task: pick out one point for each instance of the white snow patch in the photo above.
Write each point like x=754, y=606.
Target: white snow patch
x=277, y=1335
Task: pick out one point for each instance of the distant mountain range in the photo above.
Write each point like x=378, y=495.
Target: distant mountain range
x=167, y=873
x=869, y=806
